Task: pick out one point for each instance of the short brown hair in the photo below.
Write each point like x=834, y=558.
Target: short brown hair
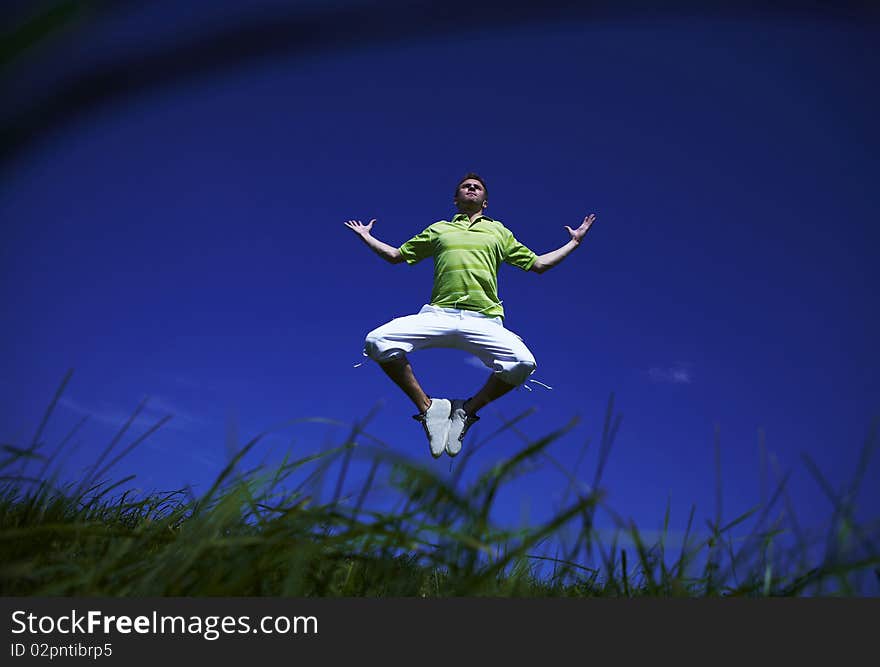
x=474, y=176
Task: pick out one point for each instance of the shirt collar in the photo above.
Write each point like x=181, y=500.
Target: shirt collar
x=463, y=217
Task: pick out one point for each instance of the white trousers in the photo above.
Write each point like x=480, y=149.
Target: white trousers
x=499, y=349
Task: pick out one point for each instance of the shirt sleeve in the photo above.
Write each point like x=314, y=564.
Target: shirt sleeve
x=419, y=246
x=517, y=254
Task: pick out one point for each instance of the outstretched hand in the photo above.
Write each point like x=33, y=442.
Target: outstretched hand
x=359, y=228
x=580, y=232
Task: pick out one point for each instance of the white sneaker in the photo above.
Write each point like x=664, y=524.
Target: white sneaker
x=460, y=421
x=436, y=422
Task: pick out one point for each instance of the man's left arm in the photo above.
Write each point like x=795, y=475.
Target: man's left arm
x=551, y=259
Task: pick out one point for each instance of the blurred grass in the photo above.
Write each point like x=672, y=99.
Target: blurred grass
x=259, y=533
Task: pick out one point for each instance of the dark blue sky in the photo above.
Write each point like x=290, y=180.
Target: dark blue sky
x=184, y=241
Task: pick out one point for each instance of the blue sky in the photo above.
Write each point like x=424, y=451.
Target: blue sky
x=184, y=241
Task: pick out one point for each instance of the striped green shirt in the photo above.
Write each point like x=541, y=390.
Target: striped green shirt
x=467, y=256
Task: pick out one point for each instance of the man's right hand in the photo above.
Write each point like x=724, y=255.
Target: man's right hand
x=385, y=251
x=359, y=228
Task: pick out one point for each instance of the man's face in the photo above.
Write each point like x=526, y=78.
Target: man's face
x=471, y=195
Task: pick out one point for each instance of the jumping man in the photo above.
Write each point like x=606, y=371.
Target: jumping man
x=464, y=311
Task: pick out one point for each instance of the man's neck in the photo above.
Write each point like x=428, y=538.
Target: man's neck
x=472, y=215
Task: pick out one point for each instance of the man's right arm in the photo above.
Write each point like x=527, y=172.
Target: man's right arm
x=385, y=251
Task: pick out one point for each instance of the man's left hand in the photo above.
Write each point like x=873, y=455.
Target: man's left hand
x=580, y=232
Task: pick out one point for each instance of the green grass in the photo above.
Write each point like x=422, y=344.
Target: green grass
x=269, y=532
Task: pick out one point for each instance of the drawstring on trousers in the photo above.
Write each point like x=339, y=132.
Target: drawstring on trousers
x=525, y=385
x=465, y=297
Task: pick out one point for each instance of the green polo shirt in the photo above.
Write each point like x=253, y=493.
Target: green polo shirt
x=467, y=256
